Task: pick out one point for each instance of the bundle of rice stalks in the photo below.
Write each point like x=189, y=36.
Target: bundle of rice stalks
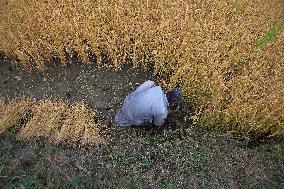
x=79, y=125
x=58, y=122
x=13, y=113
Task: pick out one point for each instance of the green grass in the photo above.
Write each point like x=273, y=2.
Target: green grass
x=180, y=156
x=238, y=7
x=271, y=34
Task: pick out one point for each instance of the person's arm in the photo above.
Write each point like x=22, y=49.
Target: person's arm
x=159, y=120
x=146, y=85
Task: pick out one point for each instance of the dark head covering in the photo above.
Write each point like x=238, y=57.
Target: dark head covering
x=174, y=96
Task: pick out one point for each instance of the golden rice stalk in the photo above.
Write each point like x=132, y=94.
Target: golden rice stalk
x=79, y=126
x=58, y=122
x=13, y=112
x=47, y=119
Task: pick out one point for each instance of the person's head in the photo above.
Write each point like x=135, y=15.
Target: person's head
x=174, y=97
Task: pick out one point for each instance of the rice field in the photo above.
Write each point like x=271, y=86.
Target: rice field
x=227, y=55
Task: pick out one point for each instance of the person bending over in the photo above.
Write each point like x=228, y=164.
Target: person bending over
x=148, y=104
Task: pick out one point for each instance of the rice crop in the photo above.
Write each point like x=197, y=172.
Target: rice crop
x=226, y=54
x=52, y=121
x=59, y=123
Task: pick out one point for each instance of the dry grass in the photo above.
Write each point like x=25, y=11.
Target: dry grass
x=226, y=54
x=13, y=113
x=59, y=123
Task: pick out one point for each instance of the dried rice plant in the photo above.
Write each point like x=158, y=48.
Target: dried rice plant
x=236, y=74
x=13, y=113
x=227, y=54
x=57, y=123
x=79, y=126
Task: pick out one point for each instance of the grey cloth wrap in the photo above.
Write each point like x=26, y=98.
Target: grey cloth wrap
x=148, y=104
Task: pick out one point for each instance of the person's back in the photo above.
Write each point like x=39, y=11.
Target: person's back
x=146, y=105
